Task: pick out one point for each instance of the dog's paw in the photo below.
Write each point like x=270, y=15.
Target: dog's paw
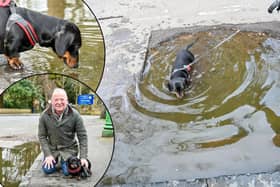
x=16, y=67
x=15, y=63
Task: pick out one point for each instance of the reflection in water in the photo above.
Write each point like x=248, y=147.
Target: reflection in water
x=243, y=72
x=42, y=60
x=15, y=162
x=56, y=8
x=39, y=5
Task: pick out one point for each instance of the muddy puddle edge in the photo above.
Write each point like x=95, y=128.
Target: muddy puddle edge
x=159, y=36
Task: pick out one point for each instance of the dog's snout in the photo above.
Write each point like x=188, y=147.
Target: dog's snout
x=76, y=65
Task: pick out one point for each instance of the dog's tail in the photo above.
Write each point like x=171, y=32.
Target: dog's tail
x=191, y=44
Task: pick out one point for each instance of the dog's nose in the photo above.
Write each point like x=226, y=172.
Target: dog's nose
x=76, y=65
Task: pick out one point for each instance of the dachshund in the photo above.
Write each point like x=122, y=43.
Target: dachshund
x=76, y=169
x=62, y=36
x=180, y=77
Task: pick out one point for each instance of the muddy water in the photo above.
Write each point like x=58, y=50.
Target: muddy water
x=227, y=123
x=15, y=162
x=242, y=72
x=41, y=60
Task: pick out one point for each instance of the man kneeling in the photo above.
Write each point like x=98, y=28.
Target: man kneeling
x=58, y=125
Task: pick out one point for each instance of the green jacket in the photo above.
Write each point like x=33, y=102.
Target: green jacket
x=57, y=138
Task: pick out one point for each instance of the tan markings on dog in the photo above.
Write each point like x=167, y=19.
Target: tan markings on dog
x=71, y=61
x=14, y=62
x=178, y=95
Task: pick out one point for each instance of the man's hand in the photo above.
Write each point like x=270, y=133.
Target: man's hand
x=49, y=161
x=84, y=162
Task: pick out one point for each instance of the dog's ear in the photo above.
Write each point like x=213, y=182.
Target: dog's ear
x=169, y=86
x=68, y=160
x=62, y=42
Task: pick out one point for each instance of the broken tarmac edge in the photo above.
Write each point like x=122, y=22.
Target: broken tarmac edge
x=272, y=28
x=157, y=37
x=26, y=179
x=243, y=180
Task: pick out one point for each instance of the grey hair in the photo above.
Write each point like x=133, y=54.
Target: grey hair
x=59, y=90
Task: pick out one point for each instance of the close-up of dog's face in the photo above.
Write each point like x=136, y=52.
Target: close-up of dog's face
x=74, y=165
x=67, y=44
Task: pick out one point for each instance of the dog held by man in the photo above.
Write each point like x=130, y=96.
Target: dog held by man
x=58, y=125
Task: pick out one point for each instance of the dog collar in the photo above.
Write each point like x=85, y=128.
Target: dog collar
x=185, y=67
x=74, y=170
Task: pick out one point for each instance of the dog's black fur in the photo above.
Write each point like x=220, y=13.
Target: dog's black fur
x=180, y=77
x=62, y=36
x=73, y=163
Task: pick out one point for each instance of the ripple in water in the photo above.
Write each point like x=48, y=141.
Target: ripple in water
x=231, y=87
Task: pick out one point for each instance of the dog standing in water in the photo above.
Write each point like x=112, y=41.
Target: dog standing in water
x=180, y=78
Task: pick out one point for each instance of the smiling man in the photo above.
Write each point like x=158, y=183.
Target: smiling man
x=58, y=125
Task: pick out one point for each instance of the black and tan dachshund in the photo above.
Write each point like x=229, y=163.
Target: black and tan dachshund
x=180, y=77
x=76, y=169
x=62, y=36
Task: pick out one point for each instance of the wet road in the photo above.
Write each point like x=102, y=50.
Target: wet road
x=154, y=147
x=20, y=129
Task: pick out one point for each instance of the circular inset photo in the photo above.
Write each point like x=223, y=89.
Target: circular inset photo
x=55, y=131
x=49, y=36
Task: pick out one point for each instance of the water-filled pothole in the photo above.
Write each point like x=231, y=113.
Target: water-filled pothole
x=227, y=123
x=16, y=162
x=229, y=84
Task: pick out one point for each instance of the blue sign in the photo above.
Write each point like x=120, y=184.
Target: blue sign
x=86, y=99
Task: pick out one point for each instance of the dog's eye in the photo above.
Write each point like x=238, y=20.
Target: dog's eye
x=74, y=48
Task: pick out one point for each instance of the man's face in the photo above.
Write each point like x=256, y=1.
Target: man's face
x=59, y=102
